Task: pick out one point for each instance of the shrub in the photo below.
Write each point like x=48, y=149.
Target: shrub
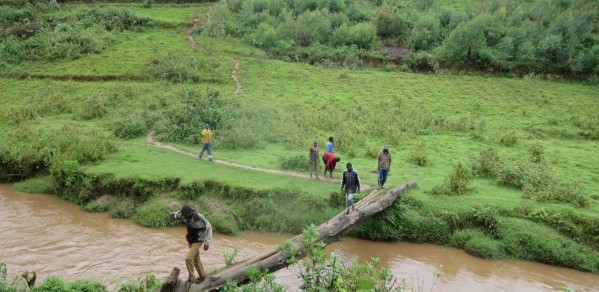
x=177, y=68
x=384, y=226
x=537, y=153
x=153, y=213
x=389, y=24
x=509, y=138
x=486, y=219
x=92, y=108
x=456, y=184
x=122, y=208
x=484, y=247
x=554, y=190
x=420, y=229
x=86, y=286
x=184, y=119
x=129, y=126
x=418, y=155
x=52, y=283
x=112, y=19
x=96, y=207
x=546, y=247
x=295, y=162
x=487, y=163
x=41, y=184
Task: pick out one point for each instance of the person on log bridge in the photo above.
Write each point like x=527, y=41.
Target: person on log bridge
x=199, y=232
x=384, y=166
x=314, y=159
x=330, y=161
x=351, y=182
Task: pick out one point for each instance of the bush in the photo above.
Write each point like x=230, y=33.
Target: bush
x=456, y=184
x=384, y=226
x=484, y=247
x=487, y=163
x=418, y=155
x=86, y=286
x=96, y=207
x=112, y=19
x=537, y=153
x=122, y=208
x=184, y=119
x=508, y=138
x=546, y=247
x=553, y=190
x=153, y=213
x=130, y=126
x=295, y=162
x=177, y=68
x=41, y=185
x=63, y=42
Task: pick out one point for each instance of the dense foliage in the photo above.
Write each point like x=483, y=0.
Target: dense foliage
x=522, y=37
x=40, y=32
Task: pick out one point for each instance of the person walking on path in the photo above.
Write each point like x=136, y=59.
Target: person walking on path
x=330, y=145
x=351, y=183
x=384, y=166
x=330, y=161
x=199, y=232
x=314, y=159
x=207, y=136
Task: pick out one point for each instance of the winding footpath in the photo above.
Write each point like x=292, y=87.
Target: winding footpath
x=192, y=42
x=151, y=141
x=150, y=138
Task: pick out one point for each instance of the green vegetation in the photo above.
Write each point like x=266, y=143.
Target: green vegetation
x=530, y=37
x=506, y=167
x=53, y=283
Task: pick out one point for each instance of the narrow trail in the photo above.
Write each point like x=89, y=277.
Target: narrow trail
x=234, y=75
x=192, y=42
x=151, y=141
x=190, y=29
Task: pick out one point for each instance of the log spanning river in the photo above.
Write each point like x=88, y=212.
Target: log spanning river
x=46, y=234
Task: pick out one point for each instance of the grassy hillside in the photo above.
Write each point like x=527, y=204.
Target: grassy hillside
x=505, y=167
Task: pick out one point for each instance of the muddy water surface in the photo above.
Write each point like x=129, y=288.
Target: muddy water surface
x=53, y=237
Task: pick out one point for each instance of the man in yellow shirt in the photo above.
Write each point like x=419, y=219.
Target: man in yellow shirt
x=207, y=141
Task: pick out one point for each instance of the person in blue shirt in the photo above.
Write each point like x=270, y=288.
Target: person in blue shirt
x=330, y=145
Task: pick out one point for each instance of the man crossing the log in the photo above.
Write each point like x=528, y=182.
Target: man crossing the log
x=351, y=182
x=199, y=232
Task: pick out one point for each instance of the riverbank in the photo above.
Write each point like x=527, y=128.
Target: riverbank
x=82, y=245
x=506, y=167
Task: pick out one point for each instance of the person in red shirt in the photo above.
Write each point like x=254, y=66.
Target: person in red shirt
x=330, y=161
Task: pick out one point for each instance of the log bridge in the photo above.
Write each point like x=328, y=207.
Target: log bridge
x=331, y=231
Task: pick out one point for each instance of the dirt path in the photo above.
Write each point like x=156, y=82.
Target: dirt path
x=150, y=139
x=234, y=75
x=190, y=29
x=192, y=42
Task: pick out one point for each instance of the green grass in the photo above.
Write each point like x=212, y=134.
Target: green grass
x=129, y=58
x=288, y=105
x=170, y=14
x=152, y=163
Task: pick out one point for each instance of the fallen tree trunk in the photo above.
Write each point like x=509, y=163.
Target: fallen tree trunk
x=328, y=232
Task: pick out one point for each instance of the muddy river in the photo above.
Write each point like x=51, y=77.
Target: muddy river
x=48, y=235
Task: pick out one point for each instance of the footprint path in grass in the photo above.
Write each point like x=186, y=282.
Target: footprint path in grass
x=150, y=139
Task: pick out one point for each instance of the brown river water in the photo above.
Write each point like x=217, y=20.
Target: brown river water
x=46, y=234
